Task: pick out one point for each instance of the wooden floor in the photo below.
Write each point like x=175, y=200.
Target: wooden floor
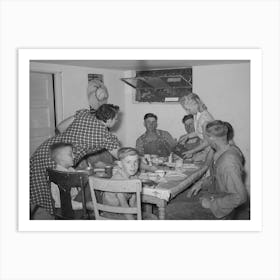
x=179, y=208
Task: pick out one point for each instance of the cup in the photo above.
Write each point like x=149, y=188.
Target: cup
x=155, y=160
x=153, y=176
x=109, y=170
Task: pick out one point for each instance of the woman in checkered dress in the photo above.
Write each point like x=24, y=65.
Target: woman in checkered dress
x=87, y=133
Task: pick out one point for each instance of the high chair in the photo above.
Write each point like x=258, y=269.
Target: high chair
x=116, y=186
x=65, y=181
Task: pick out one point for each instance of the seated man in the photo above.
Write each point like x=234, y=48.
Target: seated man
x=225, y=191
x=185, y=143
x=154, y=141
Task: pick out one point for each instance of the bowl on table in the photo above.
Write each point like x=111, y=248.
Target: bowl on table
x=153, y=177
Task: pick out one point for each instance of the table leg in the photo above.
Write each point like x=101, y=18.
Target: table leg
x=161, y=210
x=160, y=203
x=148, y=208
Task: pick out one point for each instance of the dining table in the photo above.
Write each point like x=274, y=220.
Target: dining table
x=162, y=191
x=168, y=188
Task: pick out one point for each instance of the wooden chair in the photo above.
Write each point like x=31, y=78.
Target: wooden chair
x=116, y=186
x=65, y=181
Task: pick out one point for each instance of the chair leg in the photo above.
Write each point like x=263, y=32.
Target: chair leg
x=41, y=214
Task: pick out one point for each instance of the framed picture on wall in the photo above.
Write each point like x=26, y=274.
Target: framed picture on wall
x=166, y=85
x=96, y=77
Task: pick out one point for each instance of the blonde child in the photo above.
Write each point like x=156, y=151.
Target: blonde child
x=127, y=169
x=62, y=155
x=193, y=105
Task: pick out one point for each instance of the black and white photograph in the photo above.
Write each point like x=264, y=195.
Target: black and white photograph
x=185, y=159
x=141, y=139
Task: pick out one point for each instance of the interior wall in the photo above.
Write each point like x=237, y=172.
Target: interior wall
x=225, y=89
x=74, y=81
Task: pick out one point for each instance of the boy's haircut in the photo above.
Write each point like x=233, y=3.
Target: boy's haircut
x=150, y=115
x=187, y=117
x=217, y=129
x=127, y=151
x=106, y=112
x=54, y=148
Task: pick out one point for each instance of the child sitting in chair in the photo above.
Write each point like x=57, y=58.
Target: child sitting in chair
x=128, y=167
x=62, y=154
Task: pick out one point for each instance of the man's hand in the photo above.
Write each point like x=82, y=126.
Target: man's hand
x=194, y=190
x=187, y=154
x=183, y=138
x=205, y=202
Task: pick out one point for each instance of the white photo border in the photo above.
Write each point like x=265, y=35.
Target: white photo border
x=255, y=58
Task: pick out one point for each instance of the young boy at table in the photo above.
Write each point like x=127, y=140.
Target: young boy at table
x=127, y=169
x=224, y=191
x=62, y=155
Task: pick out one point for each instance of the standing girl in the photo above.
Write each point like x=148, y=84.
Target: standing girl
x=194, y=105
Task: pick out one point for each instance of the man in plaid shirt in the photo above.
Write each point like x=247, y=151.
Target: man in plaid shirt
x=154, y=141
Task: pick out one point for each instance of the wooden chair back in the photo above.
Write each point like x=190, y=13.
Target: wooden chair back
x=65, y=181
x=115, y=186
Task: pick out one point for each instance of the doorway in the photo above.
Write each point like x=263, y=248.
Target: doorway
x=42, y=108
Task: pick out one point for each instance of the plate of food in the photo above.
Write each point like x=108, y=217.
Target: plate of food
x=190, y=166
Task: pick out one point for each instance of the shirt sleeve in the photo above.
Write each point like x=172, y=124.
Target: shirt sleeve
x=236, y=192
x=169, y=139
x=108, y=141
x=204, y=118
x=140, y=146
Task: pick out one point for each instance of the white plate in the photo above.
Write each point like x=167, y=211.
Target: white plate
x=175, y=173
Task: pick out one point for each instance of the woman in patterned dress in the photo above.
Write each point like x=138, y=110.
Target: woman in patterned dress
x=87, y=133
x=97, y=94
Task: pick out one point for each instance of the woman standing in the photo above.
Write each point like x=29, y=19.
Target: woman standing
x=87, y=133
x=194, y=106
